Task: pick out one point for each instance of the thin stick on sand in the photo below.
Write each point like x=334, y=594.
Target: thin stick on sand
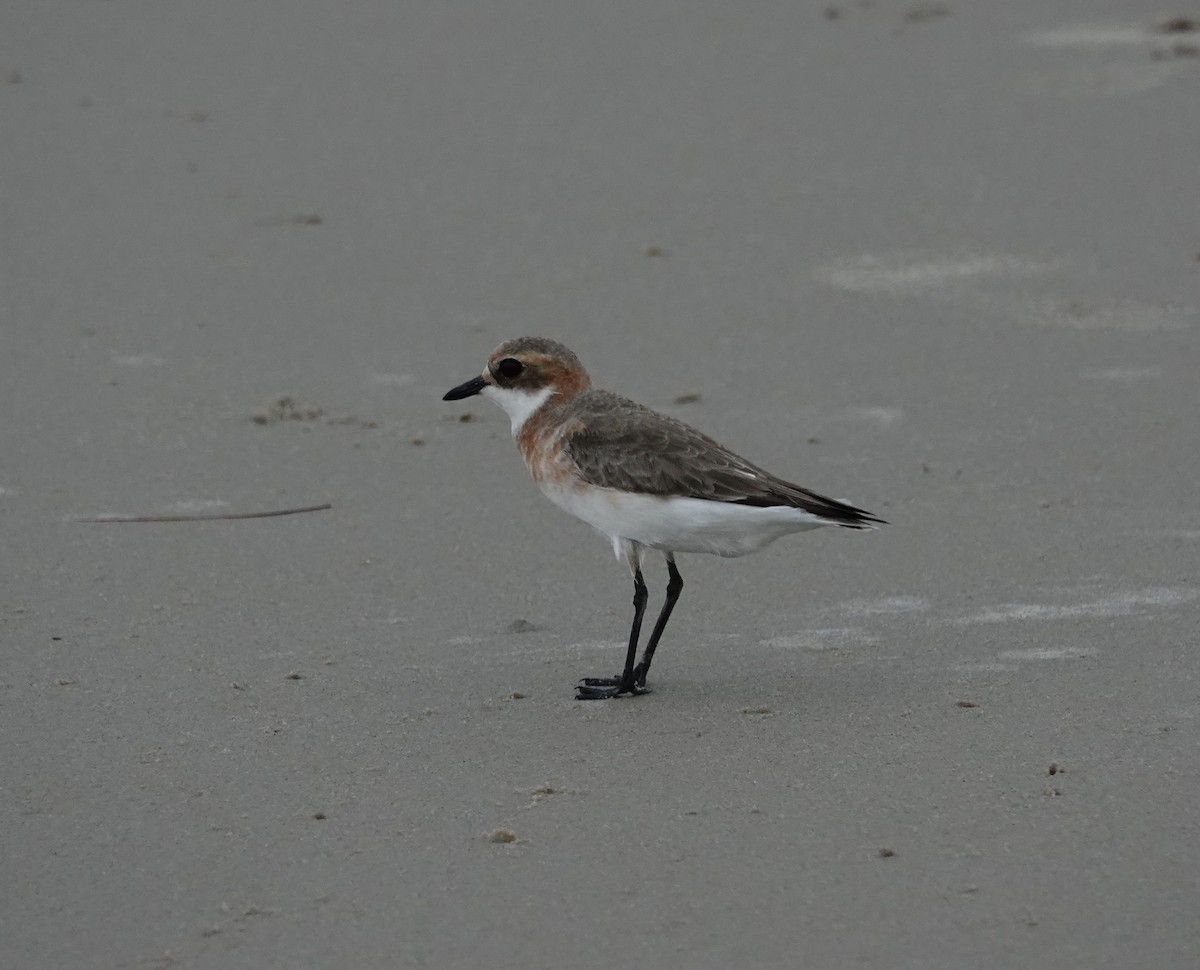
x=205, y=516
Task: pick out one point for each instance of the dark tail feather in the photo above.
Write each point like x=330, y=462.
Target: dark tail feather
x=838, y=513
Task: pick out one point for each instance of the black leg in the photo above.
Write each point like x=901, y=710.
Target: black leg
x=674, y=588
x=599, y=688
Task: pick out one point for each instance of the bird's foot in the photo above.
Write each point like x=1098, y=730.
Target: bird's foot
x=602, y=688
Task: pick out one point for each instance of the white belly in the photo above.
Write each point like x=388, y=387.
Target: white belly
x=677, y=524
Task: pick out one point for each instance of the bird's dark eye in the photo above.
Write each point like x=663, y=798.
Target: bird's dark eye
x=509, y=368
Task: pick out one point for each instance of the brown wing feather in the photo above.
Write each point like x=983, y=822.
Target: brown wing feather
x=621, y=444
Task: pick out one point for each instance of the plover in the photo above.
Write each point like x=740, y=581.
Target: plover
x=645, y=480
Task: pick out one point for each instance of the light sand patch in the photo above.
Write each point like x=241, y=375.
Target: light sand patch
x=1122, y=375
x=982, y=668
x=912, y=272
x=1049, y=653
x=882, y=607
x=1089, y=35
x=835, y=638
x=1127, y=316
x=1117, y=604
x=463, y=641
x=879, y=416
x=1136, y=73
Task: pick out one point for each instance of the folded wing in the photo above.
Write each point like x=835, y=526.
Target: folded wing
x=621, y=444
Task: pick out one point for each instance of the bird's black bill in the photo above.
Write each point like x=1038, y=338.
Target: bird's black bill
x=468, y=389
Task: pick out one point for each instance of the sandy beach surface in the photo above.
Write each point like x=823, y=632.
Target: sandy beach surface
x=940, y=260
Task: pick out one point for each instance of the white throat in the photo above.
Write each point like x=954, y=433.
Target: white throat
x=520, y=405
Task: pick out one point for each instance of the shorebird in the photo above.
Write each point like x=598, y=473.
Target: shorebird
x=645, y=480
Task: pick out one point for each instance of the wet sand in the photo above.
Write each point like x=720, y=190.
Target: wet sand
x=940, y=261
